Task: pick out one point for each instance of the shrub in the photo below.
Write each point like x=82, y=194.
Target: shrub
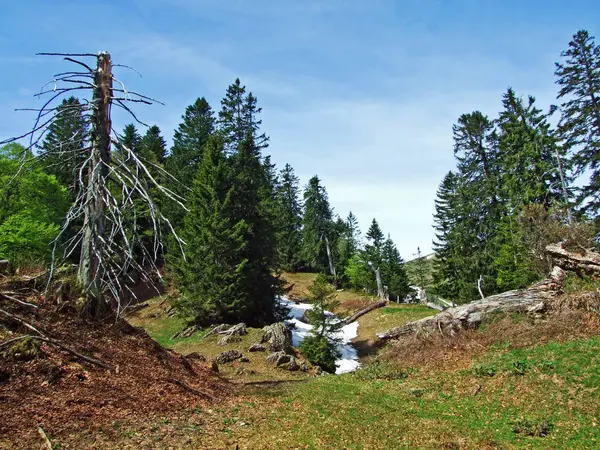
x=25, y=241
x=320, y=351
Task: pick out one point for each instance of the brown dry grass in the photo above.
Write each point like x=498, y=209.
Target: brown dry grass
x=438, y=352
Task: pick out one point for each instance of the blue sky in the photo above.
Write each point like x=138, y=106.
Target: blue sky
x=362, y=93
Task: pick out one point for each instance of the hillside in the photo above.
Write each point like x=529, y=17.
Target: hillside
x=520, y=380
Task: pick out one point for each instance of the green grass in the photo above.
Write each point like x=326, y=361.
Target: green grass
x=162, y=328
x=388, y=317
x=552, y=388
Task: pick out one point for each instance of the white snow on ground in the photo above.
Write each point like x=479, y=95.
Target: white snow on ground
x=349, y=359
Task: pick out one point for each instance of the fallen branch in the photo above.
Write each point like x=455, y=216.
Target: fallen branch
x=22, y=322
x=45, y=438
x=364, y=311
x=20, y=302
x=192, y=390
x=62, y=347
x=135, y=308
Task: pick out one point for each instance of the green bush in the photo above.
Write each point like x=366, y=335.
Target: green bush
x=24, y=240
x=32, y=206
x=321, y=352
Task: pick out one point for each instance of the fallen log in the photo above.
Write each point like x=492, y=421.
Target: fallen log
x=364, y=311
x=472, y=314
x=585, y=263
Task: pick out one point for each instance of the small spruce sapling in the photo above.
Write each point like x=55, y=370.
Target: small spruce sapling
x=320, y=347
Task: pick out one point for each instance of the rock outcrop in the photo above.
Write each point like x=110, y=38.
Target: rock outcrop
x=279, y=338
x=228, y=356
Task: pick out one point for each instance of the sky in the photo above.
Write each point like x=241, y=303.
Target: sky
x=361, y=93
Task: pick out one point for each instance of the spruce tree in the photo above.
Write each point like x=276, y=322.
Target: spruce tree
x=317, y=224
x=188, y=140
x=353, y=233
x=289, y=238
x=446, y=276
x=65, y=144
x=153, y=146
x=579, y=128
x=374, y=255
x=374, y=246
x=393, y=272
x=480, y=203
x=238, y=117
x=259, y=286
x=182, y=163
x=320, y=346
x=131, y=139
x=211, y=276
x=530, y=158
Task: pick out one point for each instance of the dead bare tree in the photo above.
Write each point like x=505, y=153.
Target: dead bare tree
x=106, y=186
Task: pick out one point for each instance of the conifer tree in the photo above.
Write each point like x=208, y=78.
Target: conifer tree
x=211, y=276
x=153, y=146
x=65, y=143
x=238, y=117
x=258, y=284
x=188, y=140
x=579, y=128
x=393, y=272
x=353, y=233
x=320, y=347
x=289, y=217
x=374, y=246
x=130, y=138
x=446, y=274
x=480, y=204
x=530, y=158
x=317, y=224
x=182, y=163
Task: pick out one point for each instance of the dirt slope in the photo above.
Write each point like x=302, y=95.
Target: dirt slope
x=44, y=386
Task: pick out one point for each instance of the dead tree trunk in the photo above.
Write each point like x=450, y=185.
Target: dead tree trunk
x=472, y=314
x=330, y=258
x=91, y=267
x=380, y=289
x=585, y=262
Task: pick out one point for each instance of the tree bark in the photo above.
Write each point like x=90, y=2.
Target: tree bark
x=330, y=258
x=472, y=314
x=585, y=263
x=91, y=270
x=380, y=289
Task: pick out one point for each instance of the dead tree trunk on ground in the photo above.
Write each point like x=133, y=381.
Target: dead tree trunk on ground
x=472, y=314
x=585, y=262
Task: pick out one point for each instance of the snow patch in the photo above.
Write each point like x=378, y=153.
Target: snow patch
x=348, y=362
